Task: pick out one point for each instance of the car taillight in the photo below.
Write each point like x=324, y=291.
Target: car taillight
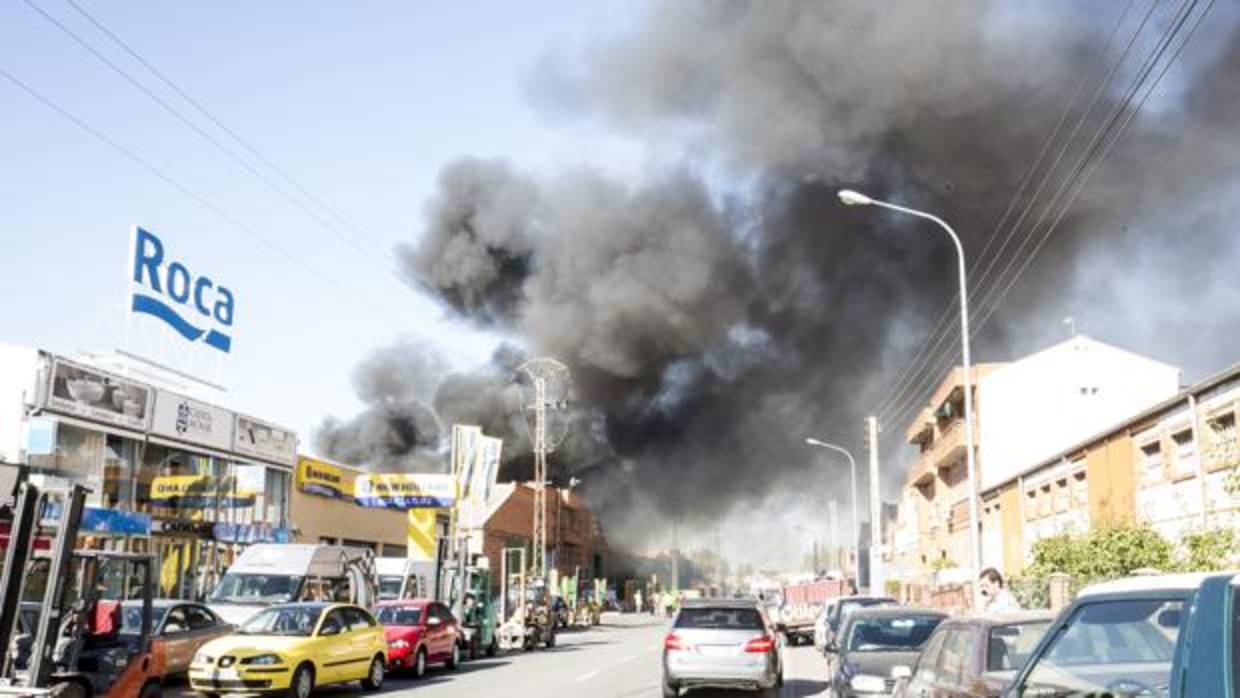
x=761, y=644
x=673, y=643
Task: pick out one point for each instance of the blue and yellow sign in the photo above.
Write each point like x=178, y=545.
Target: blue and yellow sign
x=404, y=490
x=325, y=479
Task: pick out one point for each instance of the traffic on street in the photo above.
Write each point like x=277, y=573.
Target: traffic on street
x=622, y=348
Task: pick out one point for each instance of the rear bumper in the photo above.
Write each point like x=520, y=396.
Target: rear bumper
x=694, y=674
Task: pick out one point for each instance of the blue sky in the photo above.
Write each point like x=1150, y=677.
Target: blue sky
x=361, y=103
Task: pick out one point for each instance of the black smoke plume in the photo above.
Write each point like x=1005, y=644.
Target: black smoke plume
x=727, y=306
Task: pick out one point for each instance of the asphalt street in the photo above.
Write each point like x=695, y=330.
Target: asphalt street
x=618, y=659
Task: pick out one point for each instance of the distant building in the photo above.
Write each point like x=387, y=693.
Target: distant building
x=1024, y=412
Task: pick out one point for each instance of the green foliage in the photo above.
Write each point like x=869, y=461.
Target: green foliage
x=1207, y=551
x=893, y=588
x=1105, y=553
x=942, y=564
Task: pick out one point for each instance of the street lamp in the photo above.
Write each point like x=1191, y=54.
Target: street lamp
x=853, y=198
x=856, y=527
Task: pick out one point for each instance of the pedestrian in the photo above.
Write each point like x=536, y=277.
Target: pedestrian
x=997, y=598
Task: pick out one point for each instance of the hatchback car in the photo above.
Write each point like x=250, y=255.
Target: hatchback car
x=181, y=628
x=842, y=607
x=419, y=632
x=293, y=648
x=975, y=657
x=721, y=643
x=877, y=647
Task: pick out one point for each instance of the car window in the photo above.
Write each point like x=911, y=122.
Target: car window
x=892, y=633
x=1010, y=645
x=1110, y=647
x=358, y=619
x=333, y=620
x=200, y=618
x=955, y=656
x=176, y=622
x=393, y=615
x=927, y=668
x=720, y=618
x=131, y=618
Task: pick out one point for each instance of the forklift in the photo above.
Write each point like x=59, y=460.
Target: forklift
x=75, y=644
x=526, y=611
x=472, y=603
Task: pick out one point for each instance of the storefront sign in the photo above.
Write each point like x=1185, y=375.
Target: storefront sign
x=184, y=419
x=110, y=522
x=265, y=441
x=200, y=492
x=195, y=306
x=86, y=392
x=324, y=479
x=183, y=527
x=251, y=533
x=404, y=490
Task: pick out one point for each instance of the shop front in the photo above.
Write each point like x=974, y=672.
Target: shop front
x=211, y=481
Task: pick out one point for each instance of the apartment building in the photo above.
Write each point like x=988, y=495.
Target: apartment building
x=1024, y=411
x=1166, y=466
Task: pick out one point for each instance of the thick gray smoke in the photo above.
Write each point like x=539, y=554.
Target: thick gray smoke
x=711, y=327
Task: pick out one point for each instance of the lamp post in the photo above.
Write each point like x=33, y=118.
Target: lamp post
x=856, y=529
x=853, y=198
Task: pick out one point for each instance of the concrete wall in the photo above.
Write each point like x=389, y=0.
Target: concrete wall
x=1047, y=402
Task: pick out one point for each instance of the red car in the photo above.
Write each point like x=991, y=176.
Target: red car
x=419, y=632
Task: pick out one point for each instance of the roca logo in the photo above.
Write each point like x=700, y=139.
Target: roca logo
x=170, y=292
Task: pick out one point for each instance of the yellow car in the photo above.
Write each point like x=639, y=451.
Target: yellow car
x=292, y=648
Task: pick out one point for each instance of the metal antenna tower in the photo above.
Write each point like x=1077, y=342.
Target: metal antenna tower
x=545, y=396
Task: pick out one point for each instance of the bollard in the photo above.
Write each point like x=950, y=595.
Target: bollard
x=1060, y=590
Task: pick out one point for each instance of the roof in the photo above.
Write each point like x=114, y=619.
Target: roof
x=719, y=603
x=894, y=612
x=1159, y=582
x=1034, y=616
x=1229, y=374
x=404, y=603
x=311, y=605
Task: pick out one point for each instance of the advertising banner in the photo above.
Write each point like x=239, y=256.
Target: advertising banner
x=251, y=533
x=465, y=455
x=115, y=523
x=194, y=306
x=92, y=394
x=324, y=479
x=404, y=490
x=421, y=535
x=199, y=492
x=264, y=441
x=185, y=419
x=485, y=473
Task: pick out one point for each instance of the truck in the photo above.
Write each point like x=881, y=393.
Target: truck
x=1160, y=636
x=267, y=574
x=405, y=578
x=801, y=606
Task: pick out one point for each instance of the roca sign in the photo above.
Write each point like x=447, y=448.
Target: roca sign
x=195, y=306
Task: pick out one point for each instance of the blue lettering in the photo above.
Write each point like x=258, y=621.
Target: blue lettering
x=202, y=283
x=150, y=262
x=224, y=307
x=178, y=282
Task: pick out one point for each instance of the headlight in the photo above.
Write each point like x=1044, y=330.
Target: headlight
x=262, y=660
x=865, y=683
x=400, y=645
x=202, y=658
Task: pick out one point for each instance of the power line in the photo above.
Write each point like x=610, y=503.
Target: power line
x=183, y=189
x=214, y=142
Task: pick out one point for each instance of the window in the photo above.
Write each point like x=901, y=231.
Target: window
x=358, y=619
x=173, y=482
x=726, y=618
x=77, y=456
x=955, y=656
x=1222, y=453
x=120, y=457
x=1080, y=490
x=334, y=623
x=200, y=618
x=358, y=544
x=1009, y=646
x=1044, y=500
x=928, y=660
x=394, y=615
x=1063, y=497
x=177, y=622
x=390, y=550
x=1184, y=462
x=1105, y=644
x=1031, y=504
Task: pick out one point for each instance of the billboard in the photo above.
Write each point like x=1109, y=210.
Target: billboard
x=404, y=490
x=185, y=419
x=324, y=479
x=85, y=392
x=193, y=305
x=264, y=441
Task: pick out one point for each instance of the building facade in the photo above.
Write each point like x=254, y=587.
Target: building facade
x=1024, y=411
x=208, y=480
x=324, y=511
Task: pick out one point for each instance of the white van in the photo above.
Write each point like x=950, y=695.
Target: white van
x=402, y=578
x=267, y=574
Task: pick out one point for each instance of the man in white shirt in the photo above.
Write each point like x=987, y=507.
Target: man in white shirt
x=997, y=598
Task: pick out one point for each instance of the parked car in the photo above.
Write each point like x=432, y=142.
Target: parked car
x=420, y=632
x=721, y=643
x=975, y=657
x=181, y=628
x=877, y=647
x=822, y=627
x=292, y=649
x=846, y=605
x=1161, y=636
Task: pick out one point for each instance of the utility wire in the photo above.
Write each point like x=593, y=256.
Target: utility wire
x=228, y=152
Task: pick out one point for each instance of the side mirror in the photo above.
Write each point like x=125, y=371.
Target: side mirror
x=901, y=672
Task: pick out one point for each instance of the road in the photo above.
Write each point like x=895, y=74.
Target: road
x=620, y=658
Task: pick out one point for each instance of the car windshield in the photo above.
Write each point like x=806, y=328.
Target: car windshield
x=893, y=634
x=389, y=586
x=394, y=615
x=847, y=606
x=720, y=618
x=1110, y=648
x=131, y=618
x=282, y=621
x=256, y=588
x=1010, y=645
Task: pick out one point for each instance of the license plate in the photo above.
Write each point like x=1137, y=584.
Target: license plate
x=718, y=650
x=227, y=675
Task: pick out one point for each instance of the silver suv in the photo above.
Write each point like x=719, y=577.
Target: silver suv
x=721, y=643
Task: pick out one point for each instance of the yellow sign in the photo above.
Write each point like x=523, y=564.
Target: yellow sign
x=404, y=490
x=421, y=534
x=199, y=491
x=325, y=479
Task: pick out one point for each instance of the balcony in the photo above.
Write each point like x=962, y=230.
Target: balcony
x=949, y=447
x=922, y=472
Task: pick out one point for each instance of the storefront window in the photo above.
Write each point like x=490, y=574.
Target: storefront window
x=267, y=489
x=180, y=484
x=76, y=456
x=119, y=456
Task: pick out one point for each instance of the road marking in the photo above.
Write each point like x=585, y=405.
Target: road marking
x=587, y=677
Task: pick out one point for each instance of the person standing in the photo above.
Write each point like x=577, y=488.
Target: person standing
x=997, y=598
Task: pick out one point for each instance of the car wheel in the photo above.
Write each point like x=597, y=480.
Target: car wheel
x=474, y=650
x=454, y=661
x=419, y=663
x=151, y=690
x=374, y=677
x=670, y=691
x=302, y=684
x=779, y=679
x=551, y=639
